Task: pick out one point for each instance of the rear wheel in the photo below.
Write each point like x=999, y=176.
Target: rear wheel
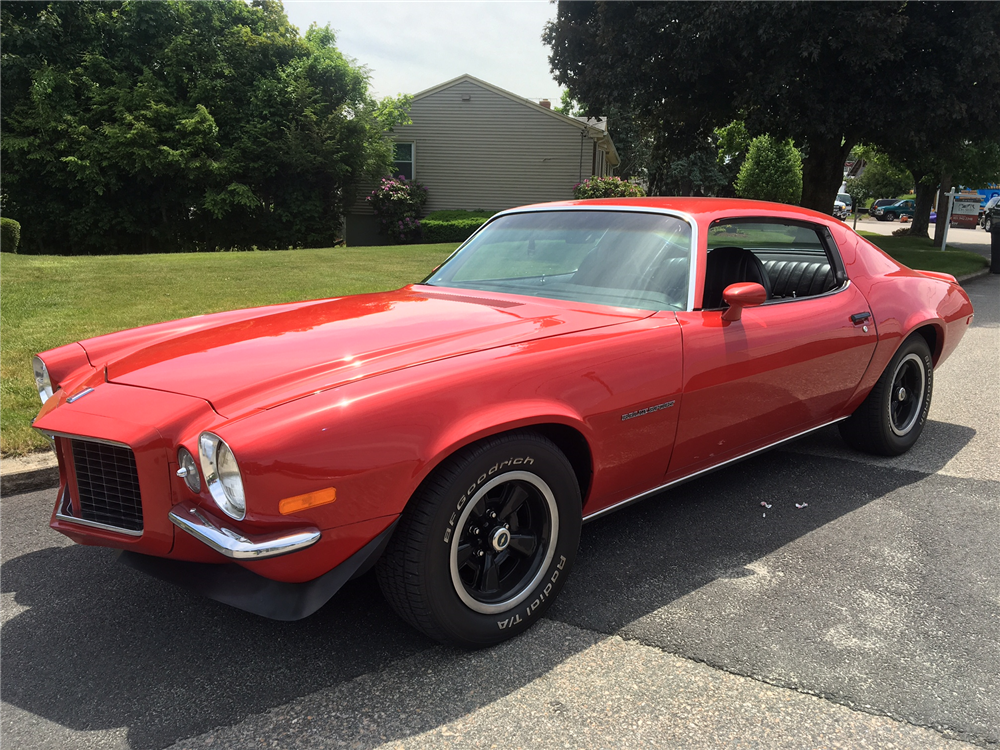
x=891, y=418
x=486, y=543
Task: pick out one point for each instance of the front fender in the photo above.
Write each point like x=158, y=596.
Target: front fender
x=494, y=419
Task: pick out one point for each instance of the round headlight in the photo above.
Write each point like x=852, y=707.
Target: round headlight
x=222, y=475
x=188, y=470
x=42, y=382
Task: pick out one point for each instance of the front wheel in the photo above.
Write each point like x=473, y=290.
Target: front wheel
x=891, y=418
x=988, y=223
x=486, y=543
x=890, y=217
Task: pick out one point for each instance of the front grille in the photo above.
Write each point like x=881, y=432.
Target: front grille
x=107, y=484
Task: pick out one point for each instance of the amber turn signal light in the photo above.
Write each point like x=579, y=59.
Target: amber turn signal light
x=309, y=500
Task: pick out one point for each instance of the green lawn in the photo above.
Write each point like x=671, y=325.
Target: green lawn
x=923, y=254
x=46, y=301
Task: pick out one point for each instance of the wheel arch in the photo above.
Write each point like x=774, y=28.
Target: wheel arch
x=934, y=337
x=560, y=429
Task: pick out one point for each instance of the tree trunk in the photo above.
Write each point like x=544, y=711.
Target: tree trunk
x=922, y=210
x=942, y=209
x=823, y=173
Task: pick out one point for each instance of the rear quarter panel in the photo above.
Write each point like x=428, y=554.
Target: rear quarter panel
x=902, y=300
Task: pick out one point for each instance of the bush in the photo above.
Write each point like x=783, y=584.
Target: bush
x=10, y=235
x=397, y=203
x=457, y=230
x=453, y=226
x=771, y=172
x=607, y=187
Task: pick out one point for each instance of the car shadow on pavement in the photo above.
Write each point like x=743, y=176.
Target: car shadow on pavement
x=660, y=550
x=102, y=646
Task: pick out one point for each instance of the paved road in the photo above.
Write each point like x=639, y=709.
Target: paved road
x=868, y=618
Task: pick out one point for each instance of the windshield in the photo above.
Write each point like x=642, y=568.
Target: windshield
x=620, y=258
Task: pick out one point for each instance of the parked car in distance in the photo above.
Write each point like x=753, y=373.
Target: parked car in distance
x=881, y=203
x=894, y=210
x=569, y=359
x=842, y=206
x=986, y=216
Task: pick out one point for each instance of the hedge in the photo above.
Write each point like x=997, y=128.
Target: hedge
x=452, y=226
x=10, y=235
x=457, y=230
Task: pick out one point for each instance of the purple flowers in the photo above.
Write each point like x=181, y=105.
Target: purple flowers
x=397, y=202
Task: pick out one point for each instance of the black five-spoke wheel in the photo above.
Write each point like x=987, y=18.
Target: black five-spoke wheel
x=906, y=395
x=487, y=541
x=505, y=541
x=889, y=421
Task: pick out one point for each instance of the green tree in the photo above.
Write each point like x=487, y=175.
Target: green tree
x=881, y=178
x=139, y=127
x=946, y=99
x=772, y=171
x=827, y=75
x=569, y=106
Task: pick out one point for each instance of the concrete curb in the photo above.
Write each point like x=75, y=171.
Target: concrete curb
x=36, y=471
x=975, y=275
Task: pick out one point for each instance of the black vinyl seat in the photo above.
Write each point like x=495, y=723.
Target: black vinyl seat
x=731, y=265
x=792, y=278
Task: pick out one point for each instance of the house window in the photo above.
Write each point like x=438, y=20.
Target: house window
x=403, y=160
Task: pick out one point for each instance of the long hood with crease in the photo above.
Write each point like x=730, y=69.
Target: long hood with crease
x=260, y=358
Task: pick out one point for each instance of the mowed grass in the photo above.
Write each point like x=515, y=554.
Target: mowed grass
x=922, y=254
x=47, y=301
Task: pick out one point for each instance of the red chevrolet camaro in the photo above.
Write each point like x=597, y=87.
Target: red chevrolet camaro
x=567, y=360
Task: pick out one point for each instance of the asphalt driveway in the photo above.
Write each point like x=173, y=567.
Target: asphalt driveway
x=870, y=617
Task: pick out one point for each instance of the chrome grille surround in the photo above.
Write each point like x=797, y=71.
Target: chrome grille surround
x=107, y=485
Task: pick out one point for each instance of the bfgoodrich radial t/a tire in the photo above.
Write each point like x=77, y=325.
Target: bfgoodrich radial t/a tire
x=486, y=543
x=891, y=418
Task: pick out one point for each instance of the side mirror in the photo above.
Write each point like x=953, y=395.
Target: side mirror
x=738, y=296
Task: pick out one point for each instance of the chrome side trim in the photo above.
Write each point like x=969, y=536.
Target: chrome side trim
x=65, y=513
x=232, y=544
x=689, y=477
x=838, y=290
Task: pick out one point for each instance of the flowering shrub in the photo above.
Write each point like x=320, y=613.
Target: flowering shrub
x=397, y=202
x=607, y=187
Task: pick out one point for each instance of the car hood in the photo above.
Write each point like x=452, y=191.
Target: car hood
x=267, y=356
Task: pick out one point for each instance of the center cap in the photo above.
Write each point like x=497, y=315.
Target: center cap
x=500, y=539
x=901, y=395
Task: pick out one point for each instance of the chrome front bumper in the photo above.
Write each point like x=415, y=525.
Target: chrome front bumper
x=187, y=516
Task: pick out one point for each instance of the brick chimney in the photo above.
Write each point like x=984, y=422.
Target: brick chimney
x=546, y=103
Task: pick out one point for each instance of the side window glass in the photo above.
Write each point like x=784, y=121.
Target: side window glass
x=789, y=260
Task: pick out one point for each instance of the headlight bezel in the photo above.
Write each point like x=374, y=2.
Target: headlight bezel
x=227, y=491
x=43, y=383
x=190, y=475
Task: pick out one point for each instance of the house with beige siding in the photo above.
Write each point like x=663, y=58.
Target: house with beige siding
x=475, y=146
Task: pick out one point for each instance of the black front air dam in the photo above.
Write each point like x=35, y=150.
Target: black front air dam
x=236, y=586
